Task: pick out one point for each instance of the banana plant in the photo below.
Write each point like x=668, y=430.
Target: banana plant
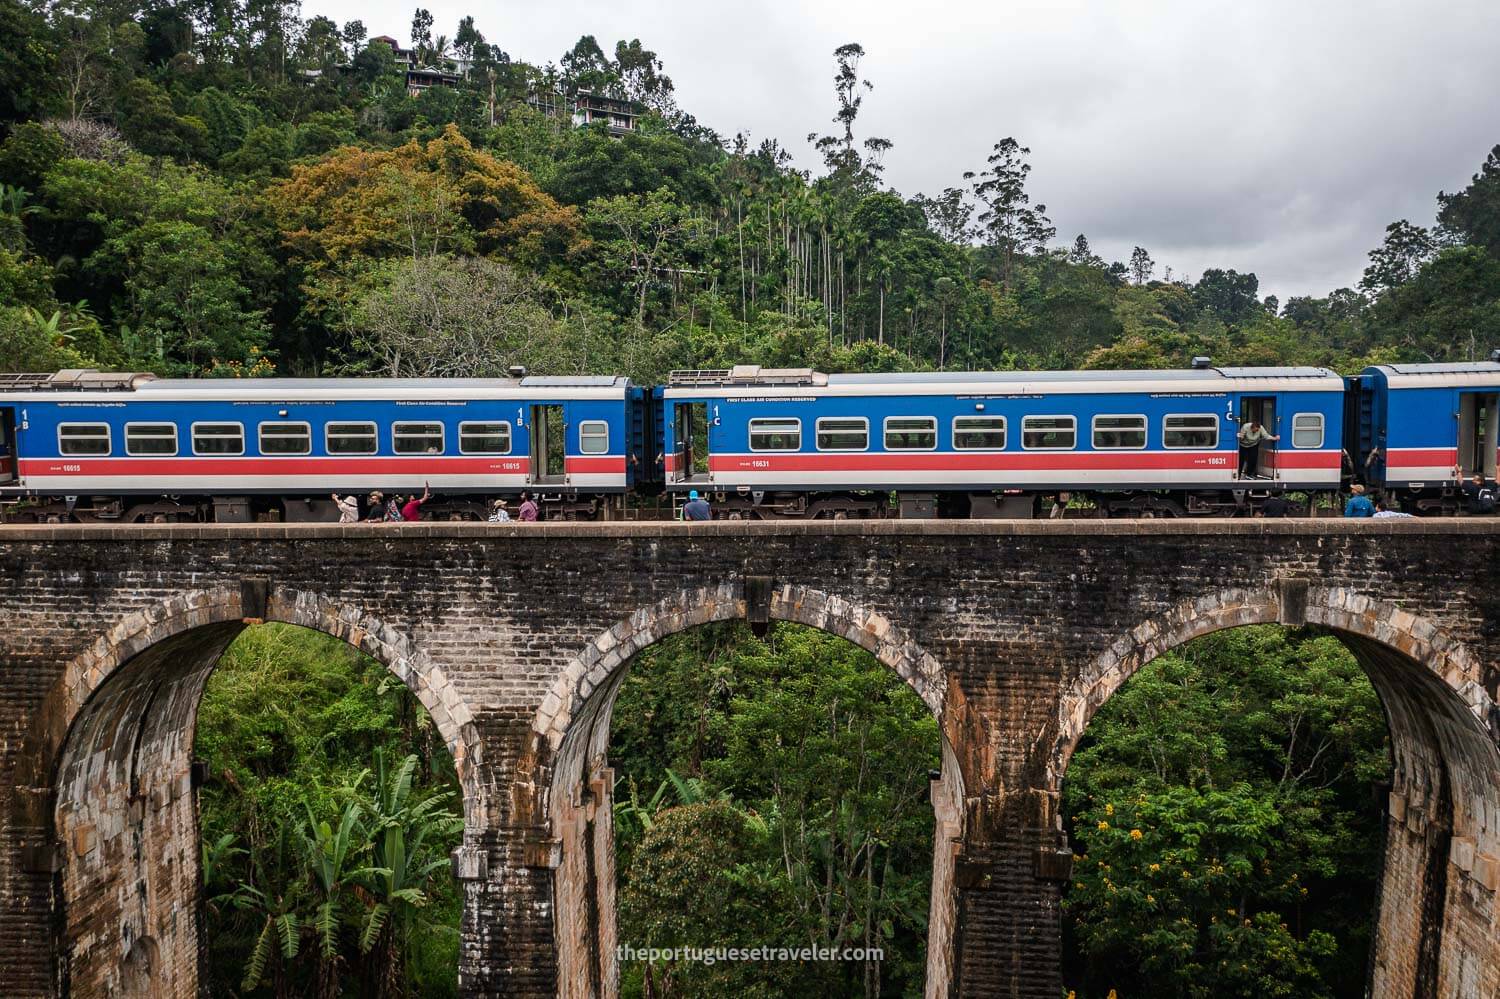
x=333, y=855
x=399, y=827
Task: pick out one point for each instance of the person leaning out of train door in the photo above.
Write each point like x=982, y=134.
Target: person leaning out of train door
x=1478, y=497
x=348, y=508
x=696, y=508
x=528, y=511
x=1359, y=504
x=1251, y=435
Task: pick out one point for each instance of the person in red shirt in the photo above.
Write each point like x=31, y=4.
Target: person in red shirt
x=413, y=508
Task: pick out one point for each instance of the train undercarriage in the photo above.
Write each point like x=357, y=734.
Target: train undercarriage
x=729, y=505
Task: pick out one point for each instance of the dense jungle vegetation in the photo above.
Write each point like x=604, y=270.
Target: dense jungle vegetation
x=227, y=189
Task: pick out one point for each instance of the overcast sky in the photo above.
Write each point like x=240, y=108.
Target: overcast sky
x=1277, y=137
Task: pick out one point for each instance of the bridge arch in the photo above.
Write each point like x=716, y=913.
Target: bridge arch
x=106, y=773
x=572, y=783
x=1439, y=905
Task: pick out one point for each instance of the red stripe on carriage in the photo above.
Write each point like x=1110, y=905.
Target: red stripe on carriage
x=603, y=464
x=1417, y=456
x=1031, y=461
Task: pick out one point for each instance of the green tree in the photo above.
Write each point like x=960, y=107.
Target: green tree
x=1474, y=212
x=1406, y=248
x=644, y=240
x=1008, y=220
x=1220, y=810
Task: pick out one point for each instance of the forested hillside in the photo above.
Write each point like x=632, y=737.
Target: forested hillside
x=236, y=189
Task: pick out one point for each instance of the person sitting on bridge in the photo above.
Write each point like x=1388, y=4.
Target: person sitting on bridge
x=696, y=508
x=1251, y=435
x=528, y=511
x=1383, y=512
x=498, y=513
x=393, y=509
x=1359, y=504
x=348, y=508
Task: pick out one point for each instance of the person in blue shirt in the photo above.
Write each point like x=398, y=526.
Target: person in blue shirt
x=1359, y=504
x=696, y=508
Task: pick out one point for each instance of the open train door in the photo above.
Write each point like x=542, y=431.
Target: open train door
x=1262, y=409
x=690, y=444
x=8, y=467
x=549, y=438
x=1478, y=414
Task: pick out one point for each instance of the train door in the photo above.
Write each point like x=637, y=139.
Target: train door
x=1262, y=409
x=549, y=439
x=7, y=445
x=690, y=455
x=1477, y=418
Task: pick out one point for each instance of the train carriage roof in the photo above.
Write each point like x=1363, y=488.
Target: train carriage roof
x=93, y=386
x=1461, y=374
x=751, y=380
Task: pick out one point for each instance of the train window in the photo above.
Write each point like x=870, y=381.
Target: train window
x=910, y=433
x=83, y=438
x=151, y=439
x=350, y=438
x=593, y=437
x=1196, y=431
x=1119, y=433
x=417, y=438
x=286, y=438
x=843, y=433
x=218, y=438
x=979, y=433
x=1307, y=430
x=775, y=435
x=1053, y=433
x=484, y=438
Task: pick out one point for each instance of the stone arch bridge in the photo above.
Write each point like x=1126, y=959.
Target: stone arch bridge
x=516, y=637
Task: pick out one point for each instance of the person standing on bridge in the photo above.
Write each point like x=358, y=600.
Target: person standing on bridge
x=1251, y=435
x=413, y=508
x=348, y=508
x=1359, y=504
x=696, y=508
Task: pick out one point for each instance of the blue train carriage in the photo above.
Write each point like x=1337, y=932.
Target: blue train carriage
x=798, y=443
x=1417, y=430
x=129, y=447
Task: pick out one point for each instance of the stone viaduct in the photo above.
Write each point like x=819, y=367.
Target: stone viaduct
x=516, y=639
